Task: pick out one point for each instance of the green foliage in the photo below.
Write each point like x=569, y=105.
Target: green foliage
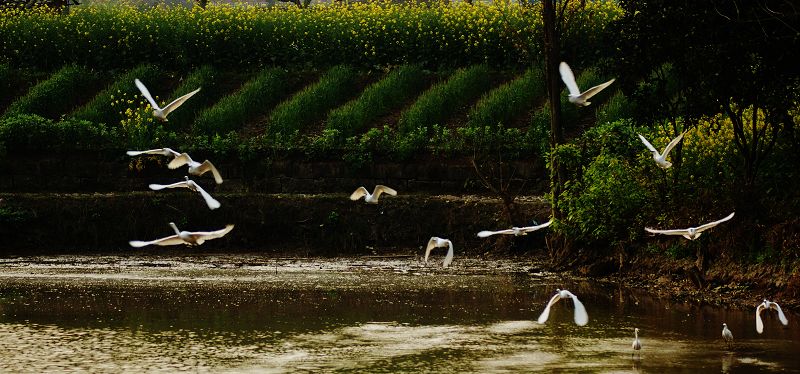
x=508, y=101
x=361, y=33
x=313, y=102
x=57, y=95
x=618, y=107
x=205, y=78
x=102, y=108
x=441, y=101
x=379, y=99
x=253, y=100
x=27, y=132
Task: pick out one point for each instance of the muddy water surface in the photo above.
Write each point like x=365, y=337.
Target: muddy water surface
x=251, y=314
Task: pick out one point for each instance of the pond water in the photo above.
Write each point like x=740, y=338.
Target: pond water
x=243, y=313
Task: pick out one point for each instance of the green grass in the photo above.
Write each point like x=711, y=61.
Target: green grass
x=616, y=108
x=379, y=99
x=205, y=78
x=101, y=110
x=444, y=99
x=509, y=101
x=57, y=95
x=254, y=99
x=313, y=102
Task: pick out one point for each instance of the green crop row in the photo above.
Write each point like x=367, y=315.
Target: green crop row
x=370, y=34
x=110, y=105
x=58, y=94
x=509, y=101
x=252, y=100
x=444, y=99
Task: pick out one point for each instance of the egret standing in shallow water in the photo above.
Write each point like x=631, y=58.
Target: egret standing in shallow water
x=436, y=242
x=372, y=198
x=581, y=317
x=768, y=305
x=637, y=345
x=727, y=335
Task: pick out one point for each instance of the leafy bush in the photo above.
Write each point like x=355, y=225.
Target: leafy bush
x=106, y=106
x=508, y=101
x=377, y=100
x=361, y=33
x=205, y=78
x=616, y=108
x=439, y=103
x=27, y=132
x=57, y=95
x=313, y=102
x=254, y=99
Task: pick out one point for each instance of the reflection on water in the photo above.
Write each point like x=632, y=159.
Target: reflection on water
x=118, y=316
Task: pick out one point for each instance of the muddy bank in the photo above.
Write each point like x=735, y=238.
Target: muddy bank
x=325, y=224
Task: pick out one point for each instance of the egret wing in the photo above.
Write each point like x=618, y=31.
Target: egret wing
x=537, y=227
x=208, y=235
x=569, y=79
x=156, y=187
x=177, y=102
x=431, y=245
x=712, y=224
x=146, y=93
x=179, y=160
x=667, y=232
x=484, y=234
x=781, y=316
x=208, y=166
x=647, y=144
x=169, y=240
x=581, y=317
x=159, y=151
x=595, y=90
x=546, y=312
x=449, y=258
x=358, y=193
x=210, y=201
x=379, y=189
x=759, y=322
x=673, y=143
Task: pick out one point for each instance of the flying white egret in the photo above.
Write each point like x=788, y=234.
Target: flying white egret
x=691, y=233
x=768, y=305
x=575, y=95
x=637, y=345
x=190, y=184
x=581, y=318
x=661, y=158
x=516, y=231
x=185, y=237
x=158, y=112
x=372, y=198
x=436, y=242
x=727, y=335
x=195, y=168
x=157, y=151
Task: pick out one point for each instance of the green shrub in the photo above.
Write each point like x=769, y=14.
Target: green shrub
x=254, y=99
x=313, y=102
x=509, y=101
x=27, y=132
x=616, y=108
x=57, y=95
x=109, y=105
x=205, y=78
x=379, y=99
x=439, y=103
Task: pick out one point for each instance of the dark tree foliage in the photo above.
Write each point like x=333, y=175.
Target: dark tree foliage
x=688, y=58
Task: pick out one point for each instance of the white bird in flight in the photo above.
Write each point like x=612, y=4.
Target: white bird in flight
x=158, y=112
x=768, y=305
x=581, y=318
x=691, y=233
x=436, y=242
x=180, y=159
x=637, y=345
x=727, y=335
x=372, y=198
x=661, y=158
x=185, y=237
x=575, y=95
x=516, y=231
x=190, y=184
